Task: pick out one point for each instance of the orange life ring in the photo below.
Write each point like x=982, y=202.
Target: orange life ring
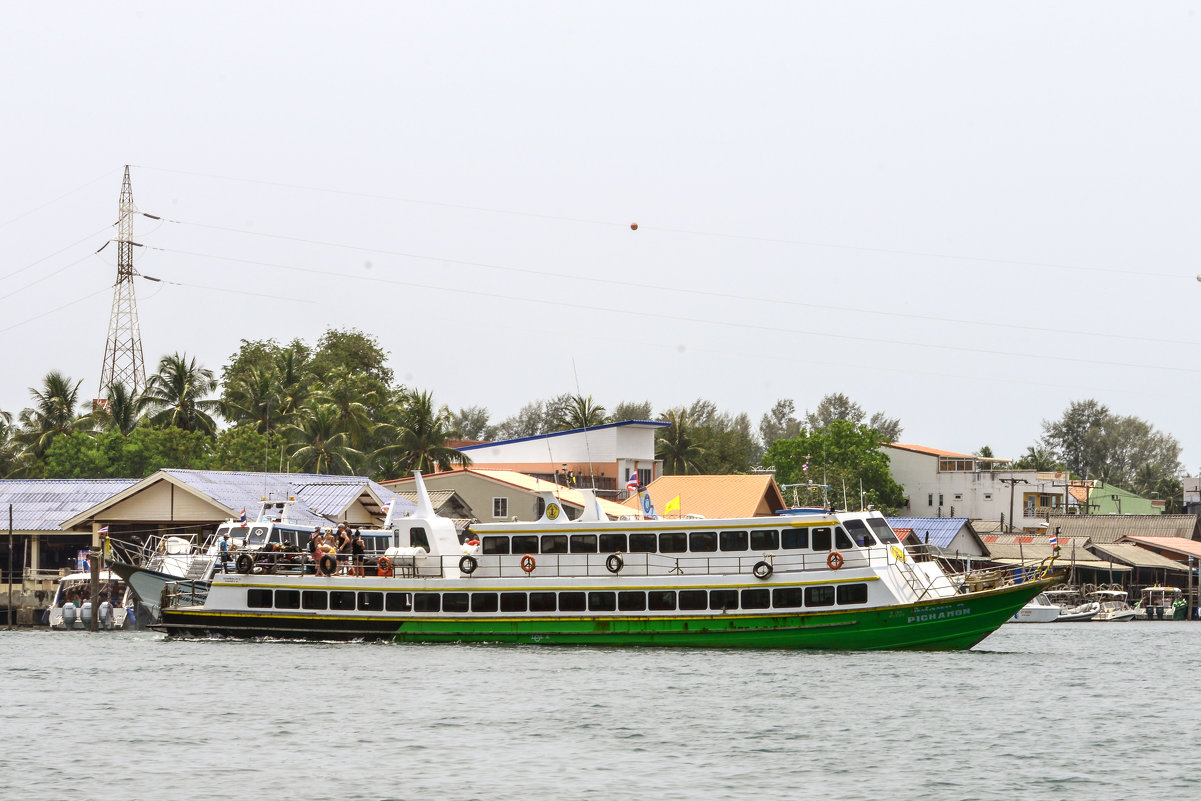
x=528, y=563
x=834, y=560
x=472, y=542
x=383, y=567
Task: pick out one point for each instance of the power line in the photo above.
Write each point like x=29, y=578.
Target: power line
x=689, y=231
x=681, y=318
x=25, y=214
x=683, y=290
x=31, y=265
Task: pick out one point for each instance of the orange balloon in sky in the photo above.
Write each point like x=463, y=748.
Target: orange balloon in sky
x=633, y=226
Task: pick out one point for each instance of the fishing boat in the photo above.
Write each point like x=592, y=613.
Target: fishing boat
x=1038, y=610
x=1073, y=608
x=1161, y=603
x=1112, y=606
x=71, y=607
x=828, y=579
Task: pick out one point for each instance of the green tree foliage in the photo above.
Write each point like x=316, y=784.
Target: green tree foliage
x=1093, y=442
x=140, y=453
x=244, y=448
x=631, y=410
x=1038, y=457
x=779, y=423
x=837, y=406
x=579, y=412
x=418, y=439
x=840, y=454
x=472, y=423
x=177, y=396
x=118, y=412
x=351, y=350
x=720, y=443
x=318, y=445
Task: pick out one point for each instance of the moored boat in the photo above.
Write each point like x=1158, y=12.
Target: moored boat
x=1161, y=603
x=1038, y=610
x=821, y=580
x=1112, y=606
x=1073, y=608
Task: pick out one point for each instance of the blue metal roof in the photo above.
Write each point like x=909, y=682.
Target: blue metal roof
x=43, y=504
x=941, y=529
x=656, y=423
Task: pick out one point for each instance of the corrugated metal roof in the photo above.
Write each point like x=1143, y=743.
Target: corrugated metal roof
x=1139, y=557
x=1033, y=552
x=1111, y=528
x=319, y=498
x=43, y=504
x=1177, y=544
x=941, y=529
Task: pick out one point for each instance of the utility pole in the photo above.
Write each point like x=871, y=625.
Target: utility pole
x=123, y=362
x=1011, y=482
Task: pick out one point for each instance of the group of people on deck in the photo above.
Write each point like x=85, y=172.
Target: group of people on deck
x=343, y=544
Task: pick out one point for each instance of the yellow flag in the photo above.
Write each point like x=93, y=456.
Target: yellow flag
x=672, y=506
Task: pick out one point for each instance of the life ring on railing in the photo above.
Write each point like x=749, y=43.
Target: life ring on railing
x=834, y=560
x=328, y=564
x=614, y=563
x=244, y=563
x=528, y=563
x=762, y=569
x=468, y=564
x=472, y=541
x=383, y=567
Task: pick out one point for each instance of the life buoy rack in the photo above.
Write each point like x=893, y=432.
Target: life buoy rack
x=383, y=567
x=762, y=569
x=834, y=560
x=244, y=563
x=528, y=564
x=468, y=564
x=328, y=564
x=614, y=563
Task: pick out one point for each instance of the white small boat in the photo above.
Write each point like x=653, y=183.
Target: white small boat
x=1072, y=606
x=1038, y=610
x=1113, y=606
x=72, y=604
x=1161, y=603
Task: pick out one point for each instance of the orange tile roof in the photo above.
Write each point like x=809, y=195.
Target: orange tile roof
x=1177, y=544
x=716, y=496
x=929, y=451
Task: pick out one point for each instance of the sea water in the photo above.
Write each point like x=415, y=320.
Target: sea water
x=1079, y=710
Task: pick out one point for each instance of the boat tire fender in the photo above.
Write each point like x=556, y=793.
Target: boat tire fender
x=329, y=564
x=614, y=563
x=467, y=565
x=528, y=563
x=244, y=563
x=834, y=560
x=383, y=567
x=762, y=570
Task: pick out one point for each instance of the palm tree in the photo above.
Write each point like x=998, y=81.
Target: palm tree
x=255, y=399
x=118, y=411
x=318, y=444
x=352, y=399
x=9, y=448
x=295, y=378
x=177, y=395
x=580, y=412
x=53, y=412
x=420, y=435
x=675, y=446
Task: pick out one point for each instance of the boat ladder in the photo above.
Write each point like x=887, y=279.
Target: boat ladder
x=913, y=579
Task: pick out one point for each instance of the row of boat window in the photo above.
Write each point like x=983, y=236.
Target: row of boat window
x=816, y=538
x=566, y=601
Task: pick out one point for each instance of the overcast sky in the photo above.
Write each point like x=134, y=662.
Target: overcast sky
x=965, y=215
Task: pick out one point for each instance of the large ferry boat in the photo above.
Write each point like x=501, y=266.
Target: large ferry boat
x=822, y=579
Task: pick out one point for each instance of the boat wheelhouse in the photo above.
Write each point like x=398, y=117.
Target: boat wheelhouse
x=820, y=580
x=1161, y=603
x=1112, y=606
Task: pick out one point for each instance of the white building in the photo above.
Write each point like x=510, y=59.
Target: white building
x=948, y=484
x=601, y=457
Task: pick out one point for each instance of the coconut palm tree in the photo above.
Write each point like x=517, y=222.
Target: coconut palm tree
x=295, y=378
x=318, y=445
x=675, y=445
x=53, y=412
x=580, y=412
x=118, y=411
x=178, y=395
x=418, y=438
x=353, y=398
x=255, y=399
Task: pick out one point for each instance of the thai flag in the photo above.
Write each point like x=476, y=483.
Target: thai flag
x=805, y=466
x=103, y=532
x=1053, y=538
x=387, y=507
x=632, y=484
x=242, y=519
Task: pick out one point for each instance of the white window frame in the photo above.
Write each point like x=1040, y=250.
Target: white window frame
x=501, y=504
